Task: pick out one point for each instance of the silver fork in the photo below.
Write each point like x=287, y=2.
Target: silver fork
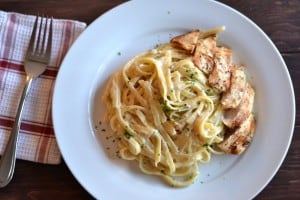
x=36, y=61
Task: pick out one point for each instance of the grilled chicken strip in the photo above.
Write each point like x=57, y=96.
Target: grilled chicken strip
x=204, y=53
x=238, y=141
x=232, y=97
x=221, y=73
x=236, y=116
x=187, y=41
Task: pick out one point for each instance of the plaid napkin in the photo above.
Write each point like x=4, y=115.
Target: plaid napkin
x=36, y=139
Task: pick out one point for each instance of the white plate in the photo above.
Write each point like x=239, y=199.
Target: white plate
x=137, y=26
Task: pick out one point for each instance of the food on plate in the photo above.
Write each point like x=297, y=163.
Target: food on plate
x=233, y=96
x=175, y=105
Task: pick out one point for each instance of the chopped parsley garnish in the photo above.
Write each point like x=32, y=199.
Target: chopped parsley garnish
x=207, y=145
x=165, y=107
x=127, y=134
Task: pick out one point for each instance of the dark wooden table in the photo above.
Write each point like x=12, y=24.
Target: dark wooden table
x=280, y=20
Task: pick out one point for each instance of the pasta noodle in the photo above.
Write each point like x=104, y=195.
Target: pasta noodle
x=165, y=114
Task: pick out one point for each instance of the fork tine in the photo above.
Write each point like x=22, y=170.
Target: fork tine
x=44, y=37
x=49, y=42
x=33, y=34
x=38, y=46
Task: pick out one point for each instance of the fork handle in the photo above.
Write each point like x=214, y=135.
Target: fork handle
x=8, y=159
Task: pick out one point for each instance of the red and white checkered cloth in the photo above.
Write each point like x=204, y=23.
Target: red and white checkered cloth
x=36, y=139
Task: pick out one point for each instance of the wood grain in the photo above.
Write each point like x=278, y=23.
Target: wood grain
x=279, y=19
